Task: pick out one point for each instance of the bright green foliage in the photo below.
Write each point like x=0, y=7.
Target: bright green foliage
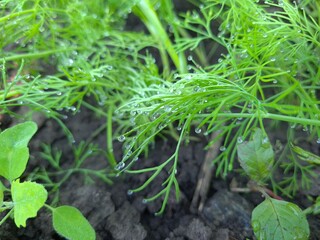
x=1, y=194
x=28, y=198
x=305, y=155
x=256, y=156
x=267, y=73
x=279, y=220
x=70, y=223
x=14, y=151
x=1, y=198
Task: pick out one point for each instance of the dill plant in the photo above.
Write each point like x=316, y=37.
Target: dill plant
x=268, y=72
x=56, y=54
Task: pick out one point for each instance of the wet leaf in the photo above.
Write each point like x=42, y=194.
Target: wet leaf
x=28, y=198
x=2, y=189
x=71, y=224
x=279, y=220
x=1, y=197
x=256, y=157
x=14, y=151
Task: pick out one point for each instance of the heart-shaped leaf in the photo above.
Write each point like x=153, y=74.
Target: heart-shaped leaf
x=28, y=198
x=71, y=224
x=281, y=220
x=256, y=157
x=14, y=151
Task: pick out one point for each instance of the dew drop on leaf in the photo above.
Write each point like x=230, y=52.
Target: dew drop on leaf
x=222, y=148
x=121, y=138
x=120, y=166
x=197, y=130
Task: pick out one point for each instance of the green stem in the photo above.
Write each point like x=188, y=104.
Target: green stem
x=148, y=16
x=272, y=116
x=6, y=216
x=111, y=157
x=37, y=54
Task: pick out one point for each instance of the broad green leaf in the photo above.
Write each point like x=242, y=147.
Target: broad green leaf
x=14, y=151
x=256, y=157
x=28, y=198
x=1, y=197
x=71, y=224
x=279, y=220
x=2, y=189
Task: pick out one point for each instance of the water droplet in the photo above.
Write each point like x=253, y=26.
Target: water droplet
x=129, y=192
x=274, y=81
x=305, y=129
x=41, y=29
x=265, y=140
x=197, y=130
x=120, y=166
x=59, y=93
x=240, y=140
x=135, y=159
x=167, y=108
x=222, y=148
x=73, y=108
x=162, y=126
x=133, y=113
x=273, y=59
x=70, y=62
x=179, y=128
x=195, y=15
x=121, y=138
x=89, y=151
x=197, y=89
x=190, y=58
x=144, y=201
x=318, y=140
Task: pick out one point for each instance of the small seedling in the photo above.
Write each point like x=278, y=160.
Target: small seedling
x=272, y=219
x=28, y=197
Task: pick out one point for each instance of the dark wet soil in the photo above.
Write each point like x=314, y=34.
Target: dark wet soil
x=116, y=215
